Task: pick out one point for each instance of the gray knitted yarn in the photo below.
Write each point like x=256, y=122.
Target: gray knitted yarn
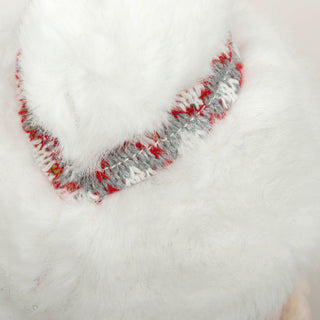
x=195, y=111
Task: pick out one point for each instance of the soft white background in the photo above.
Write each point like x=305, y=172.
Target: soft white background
x=300, y=20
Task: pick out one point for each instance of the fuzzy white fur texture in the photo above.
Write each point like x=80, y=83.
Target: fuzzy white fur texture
x=227, y=232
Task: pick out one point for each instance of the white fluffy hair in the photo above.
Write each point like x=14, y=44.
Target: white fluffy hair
x=114, y=60
x=226, y=232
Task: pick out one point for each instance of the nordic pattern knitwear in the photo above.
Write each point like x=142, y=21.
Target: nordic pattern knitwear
x=195, y=111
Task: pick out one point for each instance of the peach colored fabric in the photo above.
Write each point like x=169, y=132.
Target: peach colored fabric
x=297, y=308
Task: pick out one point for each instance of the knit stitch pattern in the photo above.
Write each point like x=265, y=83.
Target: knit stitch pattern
x=195, y=111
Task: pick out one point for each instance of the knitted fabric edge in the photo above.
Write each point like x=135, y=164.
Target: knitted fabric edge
x=196, y=110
